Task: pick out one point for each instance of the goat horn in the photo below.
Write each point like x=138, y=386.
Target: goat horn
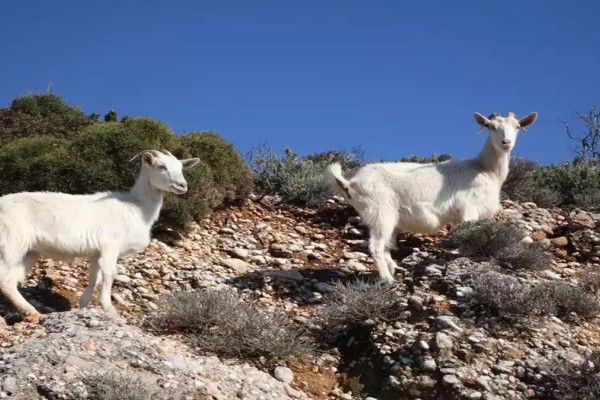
x=153, y=152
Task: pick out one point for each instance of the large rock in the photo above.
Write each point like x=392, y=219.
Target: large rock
x=57, y=363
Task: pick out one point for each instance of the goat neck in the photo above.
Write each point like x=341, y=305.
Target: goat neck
x=147, y=197
x=493, y=161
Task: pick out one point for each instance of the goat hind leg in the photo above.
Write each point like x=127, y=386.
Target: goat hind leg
x=391, y=264
x=8, y=286
x=380, y=235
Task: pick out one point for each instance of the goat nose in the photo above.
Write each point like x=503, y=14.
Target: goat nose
x=182, y=185
x=506, y=141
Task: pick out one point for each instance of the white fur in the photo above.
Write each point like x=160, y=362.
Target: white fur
x=422, y=198
x=99, y=226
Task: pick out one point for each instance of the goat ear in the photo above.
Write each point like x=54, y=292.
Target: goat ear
x=148, y=158
x=528, y=120
x=481, y=120
x=189, y=162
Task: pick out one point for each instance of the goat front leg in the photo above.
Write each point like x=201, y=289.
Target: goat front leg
x=107, y=263
x=95, y=274
x=469, y=214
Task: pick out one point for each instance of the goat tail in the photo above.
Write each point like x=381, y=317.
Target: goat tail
x=337, y=180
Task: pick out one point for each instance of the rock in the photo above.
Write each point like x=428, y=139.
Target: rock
x=122, y=278
x=448, y=322
x=323, y=287
x=356, y=266
x=450, y=380
x=443, y=342
x=237, y=265
x=287, y=274
x=429, y=365
x=538, y=235
x=283, y=374
x=550, y=275
x=280, y=250
x=580, y=220
x=10, y=385
x=560, y=241
x=240, y=253
x=293, y=393
x=64, y=357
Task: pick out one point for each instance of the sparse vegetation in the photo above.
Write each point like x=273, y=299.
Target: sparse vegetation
x=575, y=381
x=571, y=298
x=297, y=180
x=358, y=302
x=220, y=322
x=509, y=296
x=500, y=241
x=589, y=280
x=115, y=385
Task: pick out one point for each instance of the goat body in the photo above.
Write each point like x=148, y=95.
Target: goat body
x=101, y=227
x=422, y=198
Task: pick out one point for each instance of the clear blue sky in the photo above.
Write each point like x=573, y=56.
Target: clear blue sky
x=394, y=77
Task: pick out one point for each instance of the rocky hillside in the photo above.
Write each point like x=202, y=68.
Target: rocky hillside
x=441, y=342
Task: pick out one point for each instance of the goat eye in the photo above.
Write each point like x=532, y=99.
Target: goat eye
x=162, y=167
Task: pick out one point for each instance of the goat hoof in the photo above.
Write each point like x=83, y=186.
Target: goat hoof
x=111, y=311
x=33, y=318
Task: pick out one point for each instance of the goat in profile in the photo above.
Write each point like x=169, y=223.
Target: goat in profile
x=423, y=198
x=101, y=227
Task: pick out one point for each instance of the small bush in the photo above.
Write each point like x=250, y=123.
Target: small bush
x=427, y=160
x=589, y=280
x=354, y=303
x=570, y=298
x=297, y=180
x=232, y=177
x=40, y=115
x=520, y=184
x=96, y=157
x=499, y=241
x=220, y=322
x=113, y=385
x=510, y=297
x=574, y=181
x=571, y=381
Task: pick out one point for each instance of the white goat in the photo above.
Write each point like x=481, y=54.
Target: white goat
x=100, y=226
x=423, y=198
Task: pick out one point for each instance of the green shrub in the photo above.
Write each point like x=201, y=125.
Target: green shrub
x=232, y=177
x=96, y=156
x=40, y=115
x=298, y=180
x=574, y=181
x=427, y=160
x=36, y=163
x=520, y=184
